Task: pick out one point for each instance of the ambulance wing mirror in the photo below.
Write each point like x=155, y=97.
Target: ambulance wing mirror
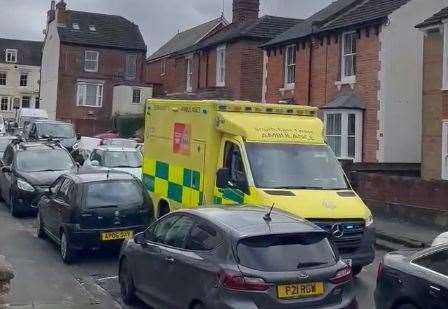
x=222, y=178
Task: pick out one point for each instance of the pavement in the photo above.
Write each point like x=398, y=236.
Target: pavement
x=43, y=282
x=395, y=233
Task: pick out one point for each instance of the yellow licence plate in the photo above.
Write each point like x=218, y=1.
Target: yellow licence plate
x=116, y=235
x=300, y=290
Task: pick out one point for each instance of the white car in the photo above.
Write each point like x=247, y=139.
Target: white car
x=117, y=158
x=440, y=240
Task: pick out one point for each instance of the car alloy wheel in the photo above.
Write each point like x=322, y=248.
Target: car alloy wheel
x=39, y=227
x=67, y=253
x=12, y=209
x=126, y=284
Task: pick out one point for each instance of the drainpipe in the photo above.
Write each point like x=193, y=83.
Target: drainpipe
x=309, y=72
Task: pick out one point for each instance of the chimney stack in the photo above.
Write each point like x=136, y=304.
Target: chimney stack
x=61, y=12
x=51, y=13
x=244, y=10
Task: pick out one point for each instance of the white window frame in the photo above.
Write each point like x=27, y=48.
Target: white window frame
x=131, y=59
x=445, y=150
x=8, y=107
x=189, y=72
x=445, y=56
x=140, y=96
x=13, y=53
x=82, y=91
x=75, y=26
x=344, y=131
x=162, y=67
x=348, y=78
x=20, y=80
x=287, y=64
x=221, y=66
x=6, y=79
x=95, y=61
x=92, y=28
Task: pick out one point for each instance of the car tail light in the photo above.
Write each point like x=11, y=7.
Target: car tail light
x=236, y=281
x=342, y=276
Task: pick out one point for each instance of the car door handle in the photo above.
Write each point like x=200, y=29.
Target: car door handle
x=434, y=291
x=169, y=259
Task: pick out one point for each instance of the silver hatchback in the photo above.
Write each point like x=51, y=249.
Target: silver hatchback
x=234, y=257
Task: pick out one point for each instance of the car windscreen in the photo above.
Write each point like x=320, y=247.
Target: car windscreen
x=280, y=166
x=44, y=160
x=127, y=143
x=125, y=193
x=285, y=252
x=56, y=130
x=3, y=144
x=131, y=159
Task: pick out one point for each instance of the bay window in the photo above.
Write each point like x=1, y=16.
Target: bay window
x=343, y=131
x=290, y=66
x=90, y=94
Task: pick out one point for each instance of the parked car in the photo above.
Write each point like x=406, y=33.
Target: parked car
x=28, y=170
x=4, y=142
x=83, y=148
x=110, y=157
x=235, y=257
x=26, y=115
x=92, y=211
x=440, y=240
x=413, y=280
x=120, y=142
x=63, y=132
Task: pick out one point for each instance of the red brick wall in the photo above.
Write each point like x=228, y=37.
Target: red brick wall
x=244, y=71
x=111, y=69
x=318, y=69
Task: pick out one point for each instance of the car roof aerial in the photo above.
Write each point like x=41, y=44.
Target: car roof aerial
x=100, y=175
x=248, y=220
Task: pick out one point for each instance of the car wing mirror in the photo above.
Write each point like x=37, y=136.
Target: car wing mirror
x=140, y=239
x=6, y=169
x=223, y=178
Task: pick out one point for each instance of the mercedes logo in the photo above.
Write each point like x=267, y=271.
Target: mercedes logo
x=337, y=231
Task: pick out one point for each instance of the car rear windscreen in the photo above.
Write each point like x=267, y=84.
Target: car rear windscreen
x=113, y=193
x=290, y=252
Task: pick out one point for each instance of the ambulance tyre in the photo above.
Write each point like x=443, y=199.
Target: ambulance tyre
x=164, y=208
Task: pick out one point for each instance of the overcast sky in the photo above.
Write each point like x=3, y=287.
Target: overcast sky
x=159, y=20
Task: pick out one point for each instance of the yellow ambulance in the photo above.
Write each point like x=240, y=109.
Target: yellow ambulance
x=226, y=152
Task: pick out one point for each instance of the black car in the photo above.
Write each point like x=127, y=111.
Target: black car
x=28, y=170
x=43, y=129
x=413, y=280
x=93, y=211
x=235, y=257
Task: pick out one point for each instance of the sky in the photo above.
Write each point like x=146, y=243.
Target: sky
x=158, y=20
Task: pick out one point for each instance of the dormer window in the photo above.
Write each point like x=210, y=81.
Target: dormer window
x=92, y=28
x=11, y=55
x=75, y=26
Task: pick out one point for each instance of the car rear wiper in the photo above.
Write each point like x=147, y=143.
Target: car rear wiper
x=309, y=264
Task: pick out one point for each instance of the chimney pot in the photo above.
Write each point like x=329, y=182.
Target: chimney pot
x=244, y=10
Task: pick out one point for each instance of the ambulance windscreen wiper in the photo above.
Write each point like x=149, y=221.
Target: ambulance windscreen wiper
x=299, y=188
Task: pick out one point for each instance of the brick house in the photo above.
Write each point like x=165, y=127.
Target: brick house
x=348, y=60
x=85, y=56
x=19, y=75
x=435, y=97
x=226, y=63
